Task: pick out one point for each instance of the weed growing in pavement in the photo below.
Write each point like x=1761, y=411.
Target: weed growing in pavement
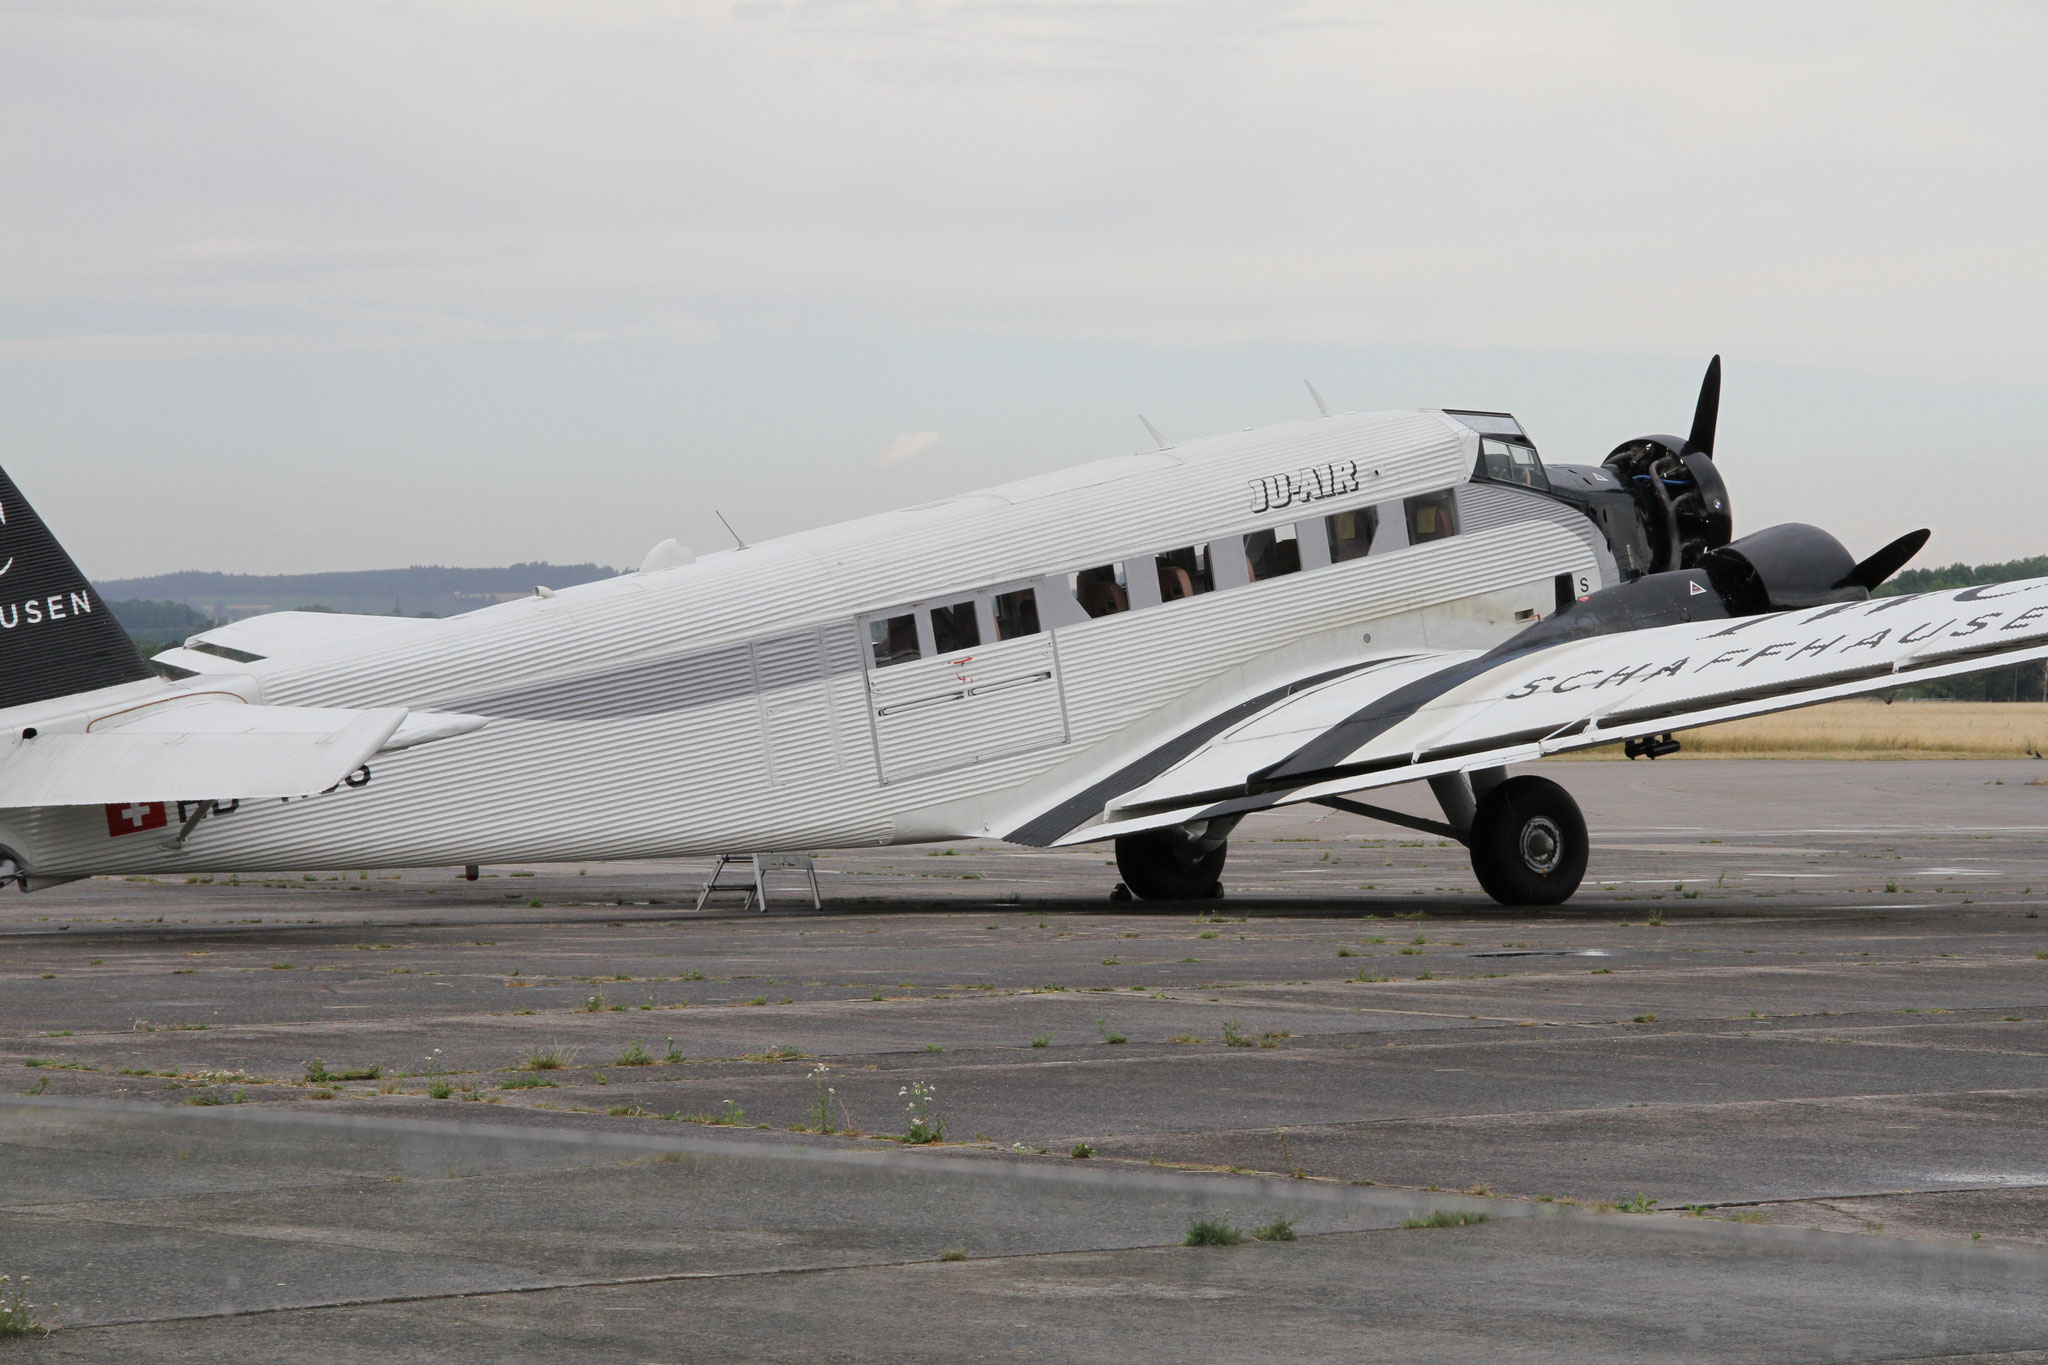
x=553, y=1057
x=1081, y=1151
x=953, y=1254
x=922, y=1121
x=1109, y=1035
x=318, y=1073
x=1281, y=1229
x=524, y=1082
x=17, y=1314
x=1041, y=1040
x=440, y=1088
x=42, y=1084
x=635, y=1055
x=1234, y=1035
x=1182, y=1038
x=1644, y=1019
x=821, y=1099
x=675, y=1054
x=1274, y=1037
x=1642, y=1203
x=1444, y=1218
x=1215, y=1231
x=730, y=1116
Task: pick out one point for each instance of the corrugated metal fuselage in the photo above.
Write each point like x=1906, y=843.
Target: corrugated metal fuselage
x=736, y=703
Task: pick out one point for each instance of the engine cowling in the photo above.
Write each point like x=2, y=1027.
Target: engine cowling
x=1781, y=568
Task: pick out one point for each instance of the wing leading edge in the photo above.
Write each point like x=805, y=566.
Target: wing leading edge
x=1512, y=705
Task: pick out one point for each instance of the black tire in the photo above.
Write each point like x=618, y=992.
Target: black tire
x=1529, y=842
x=1166, y=865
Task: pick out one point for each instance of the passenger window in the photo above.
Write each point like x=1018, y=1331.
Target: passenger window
x=1351, y=533
x=1511, y=462
x=1184, y=573
x=1101, y=591
x=1016, y=614
x=1432, y=517
x=1272, y=553
x=894, y=640
x=954, y=628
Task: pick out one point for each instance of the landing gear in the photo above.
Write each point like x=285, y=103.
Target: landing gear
x=1172, y=864
x=1528, y=842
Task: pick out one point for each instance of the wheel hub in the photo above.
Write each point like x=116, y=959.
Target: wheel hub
x=1542, y=844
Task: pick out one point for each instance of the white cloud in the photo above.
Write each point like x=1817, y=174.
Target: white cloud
x=908, y=446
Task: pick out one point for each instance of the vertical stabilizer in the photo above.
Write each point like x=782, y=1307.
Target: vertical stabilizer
x=56, y=635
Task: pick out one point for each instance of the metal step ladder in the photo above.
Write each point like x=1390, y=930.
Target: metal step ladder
x=755, y=888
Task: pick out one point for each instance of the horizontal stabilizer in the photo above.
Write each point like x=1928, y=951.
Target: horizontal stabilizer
x=214, y=750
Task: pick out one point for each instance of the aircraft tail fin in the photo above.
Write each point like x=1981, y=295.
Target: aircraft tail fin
x=57, y=636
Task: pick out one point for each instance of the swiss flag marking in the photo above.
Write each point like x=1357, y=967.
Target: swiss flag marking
x=133, y=816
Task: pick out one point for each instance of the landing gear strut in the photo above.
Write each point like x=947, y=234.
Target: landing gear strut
x=1174, y=864
x=1528, y=842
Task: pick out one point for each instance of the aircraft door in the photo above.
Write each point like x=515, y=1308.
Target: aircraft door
x=961, y=681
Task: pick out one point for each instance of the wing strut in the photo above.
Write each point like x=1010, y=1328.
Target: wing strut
x=1394, y=817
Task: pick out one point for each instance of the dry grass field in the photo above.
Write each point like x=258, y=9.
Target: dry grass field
x=1871, y=729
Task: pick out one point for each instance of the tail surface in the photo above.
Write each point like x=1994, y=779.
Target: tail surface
x=56, y=635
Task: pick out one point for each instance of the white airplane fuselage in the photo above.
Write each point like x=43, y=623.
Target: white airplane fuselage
x=742, y=702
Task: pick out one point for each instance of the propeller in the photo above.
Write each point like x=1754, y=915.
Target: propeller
x=1706, y=414
x=1886, y=562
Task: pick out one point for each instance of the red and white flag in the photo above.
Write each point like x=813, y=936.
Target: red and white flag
x=134, y=816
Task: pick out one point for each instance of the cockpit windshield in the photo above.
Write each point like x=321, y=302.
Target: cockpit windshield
x=1511, y=462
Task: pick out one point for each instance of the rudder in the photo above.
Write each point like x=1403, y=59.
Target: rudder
x=56, y=635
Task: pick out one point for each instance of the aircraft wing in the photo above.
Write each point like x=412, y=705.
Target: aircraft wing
x=1428, y=715
x=215, y=747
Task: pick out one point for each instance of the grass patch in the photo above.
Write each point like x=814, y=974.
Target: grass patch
x=1213, y=1232
x=319, y=1073
x=525, y=1082
x=553, y=1057
x=1444, y=1218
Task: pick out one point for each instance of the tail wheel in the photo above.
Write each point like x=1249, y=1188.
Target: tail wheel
x=1529, y=843
x=1167, y=865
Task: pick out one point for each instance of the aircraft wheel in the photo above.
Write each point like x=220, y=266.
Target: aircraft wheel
x=1529, y=843
x=1166, y=865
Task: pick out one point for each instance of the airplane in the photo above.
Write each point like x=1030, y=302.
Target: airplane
x=1141, y=651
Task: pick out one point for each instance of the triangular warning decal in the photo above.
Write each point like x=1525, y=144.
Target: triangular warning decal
x=1695, y=590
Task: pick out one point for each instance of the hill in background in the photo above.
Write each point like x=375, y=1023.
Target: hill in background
x=162, y=610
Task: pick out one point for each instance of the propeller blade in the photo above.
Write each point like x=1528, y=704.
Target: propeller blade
x=1707, y=413
x=1885, y=562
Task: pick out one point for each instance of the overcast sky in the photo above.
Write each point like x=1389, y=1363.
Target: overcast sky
x=291, y=287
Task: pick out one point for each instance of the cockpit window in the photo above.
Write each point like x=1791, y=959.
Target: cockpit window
x=1184, y=573
x=1511, y=462
x=894, y=640
x=954, y=628
x=1270, y=554
x=1101, y=591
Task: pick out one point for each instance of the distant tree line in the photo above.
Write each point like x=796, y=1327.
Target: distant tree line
x=2015, y=682
x=157, y=626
